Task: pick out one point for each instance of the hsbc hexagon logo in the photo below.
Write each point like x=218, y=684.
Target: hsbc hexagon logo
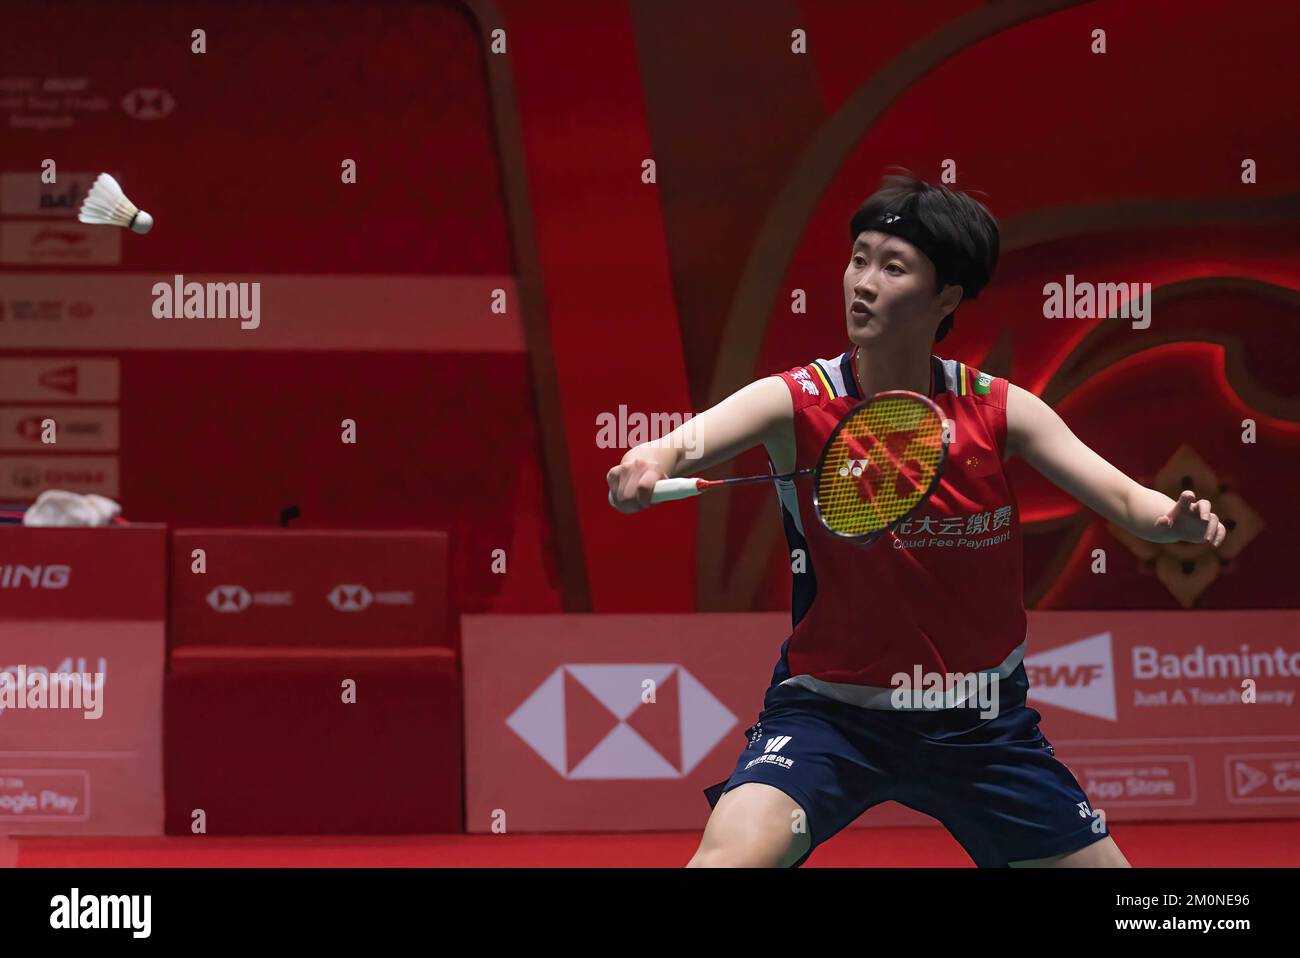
x=148, y=103
x=230, y=598
x=30, y=427
x=588, y=721
x=350, y=598
x=1079, y=676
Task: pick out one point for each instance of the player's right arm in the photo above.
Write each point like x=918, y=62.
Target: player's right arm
x=755, y=414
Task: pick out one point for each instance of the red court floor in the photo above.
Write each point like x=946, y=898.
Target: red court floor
x=1271, y=844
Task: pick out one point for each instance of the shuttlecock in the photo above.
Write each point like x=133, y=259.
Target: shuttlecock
x=106, y=203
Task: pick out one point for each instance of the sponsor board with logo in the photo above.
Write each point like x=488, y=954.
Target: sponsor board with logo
x=1114, y=686
x=43, y=104
x=310, y=588
x=59, y=379
x=69, y=573
x=24, y=194
x=23, y=478
x=116, y=310
x=1131, y=780
x=58, y=243
x=84, y=601
x=43, y=795
x=560, y=735
x=1263, y=778
x=606, y=722
x=75, y=428
x=44, y=310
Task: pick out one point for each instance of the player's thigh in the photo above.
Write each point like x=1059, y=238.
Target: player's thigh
x=1100, y=854
x=753, y=826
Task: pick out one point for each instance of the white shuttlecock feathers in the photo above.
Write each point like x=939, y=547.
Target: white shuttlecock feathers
x=107, y=204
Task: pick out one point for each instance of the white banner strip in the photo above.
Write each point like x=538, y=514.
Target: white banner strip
x=260, y=312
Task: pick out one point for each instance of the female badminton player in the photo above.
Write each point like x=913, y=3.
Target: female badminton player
x=939, y=595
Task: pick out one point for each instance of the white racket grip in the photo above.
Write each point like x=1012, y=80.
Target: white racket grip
x=667, y=490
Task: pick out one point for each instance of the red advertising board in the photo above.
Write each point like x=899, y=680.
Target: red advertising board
x=284, y=587
x=618, y=722
x=1169, y=715
x=81, y=610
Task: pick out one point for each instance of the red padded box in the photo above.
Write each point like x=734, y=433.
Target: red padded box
x=262, y=741
x=309, y=588
x=88, y=602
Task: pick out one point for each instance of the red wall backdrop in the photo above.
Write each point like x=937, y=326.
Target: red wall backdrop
x=237, y=153
x=522, y=171
x=1122, y=167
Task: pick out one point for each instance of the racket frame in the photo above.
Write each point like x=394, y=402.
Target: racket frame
x=869, y=538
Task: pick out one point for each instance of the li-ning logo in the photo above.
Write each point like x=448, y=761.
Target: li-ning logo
x=890, y=217
x=35, y=576
x=350, y=598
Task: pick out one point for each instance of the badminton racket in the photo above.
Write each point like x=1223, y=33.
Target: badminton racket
x=882, y=460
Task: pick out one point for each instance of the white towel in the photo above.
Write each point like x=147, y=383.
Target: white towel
x=54, y=507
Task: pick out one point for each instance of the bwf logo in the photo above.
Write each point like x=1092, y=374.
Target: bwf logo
x=1079, y=676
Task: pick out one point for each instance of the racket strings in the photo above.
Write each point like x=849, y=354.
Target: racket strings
x=880, y=465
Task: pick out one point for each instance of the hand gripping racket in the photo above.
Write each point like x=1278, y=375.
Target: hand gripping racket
x=880, y=463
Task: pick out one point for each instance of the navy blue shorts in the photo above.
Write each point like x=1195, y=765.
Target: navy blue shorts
x=994, y=783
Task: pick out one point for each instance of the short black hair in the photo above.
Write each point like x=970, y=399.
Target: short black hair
x=954, y=218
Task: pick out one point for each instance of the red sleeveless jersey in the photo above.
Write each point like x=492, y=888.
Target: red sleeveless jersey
x=944, y=590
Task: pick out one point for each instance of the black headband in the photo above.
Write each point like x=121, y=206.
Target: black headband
x=951, y=265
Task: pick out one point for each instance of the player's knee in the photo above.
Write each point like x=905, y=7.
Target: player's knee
x=753, y=826
x=737, y=855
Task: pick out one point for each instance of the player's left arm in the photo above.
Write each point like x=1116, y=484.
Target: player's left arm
x=1039, y=436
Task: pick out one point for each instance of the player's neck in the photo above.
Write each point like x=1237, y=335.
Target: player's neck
x=880, y=368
